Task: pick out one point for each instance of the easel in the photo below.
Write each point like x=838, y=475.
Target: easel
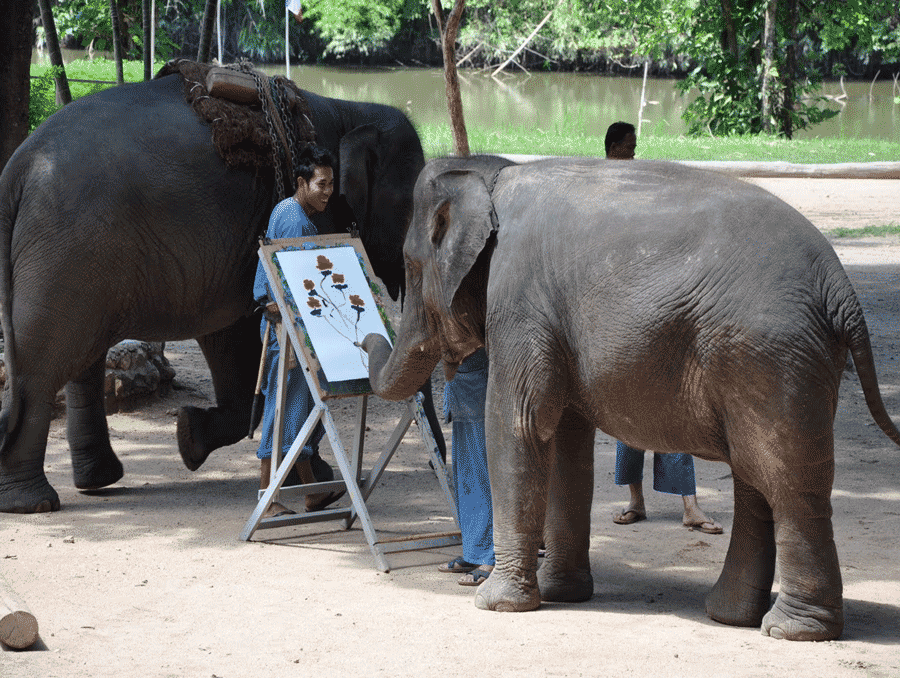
x=293, y=337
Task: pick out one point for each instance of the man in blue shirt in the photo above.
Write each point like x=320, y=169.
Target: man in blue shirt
x=290, y=219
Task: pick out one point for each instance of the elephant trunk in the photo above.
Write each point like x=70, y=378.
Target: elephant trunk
x=397, y=374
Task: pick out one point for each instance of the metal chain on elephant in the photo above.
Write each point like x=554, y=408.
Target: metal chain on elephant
x=277, y=150
x=280, y=96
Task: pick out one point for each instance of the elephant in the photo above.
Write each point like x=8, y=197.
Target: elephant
x=118, y=219
x=676, y=310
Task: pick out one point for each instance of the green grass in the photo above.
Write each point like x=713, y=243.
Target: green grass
x=867, y=231
x=98, y=69
x=437, y=141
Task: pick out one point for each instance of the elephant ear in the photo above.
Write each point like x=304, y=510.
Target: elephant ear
x=461, y=224
x=358, y=159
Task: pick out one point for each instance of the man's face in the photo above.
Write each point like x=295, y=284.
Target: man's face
x=623, y=150
x=316, y=193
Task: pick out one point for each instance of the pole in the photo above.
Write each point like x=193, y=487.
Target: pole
x=219, y=29
x=287, y=49
x=153, y=33
x=643, y=98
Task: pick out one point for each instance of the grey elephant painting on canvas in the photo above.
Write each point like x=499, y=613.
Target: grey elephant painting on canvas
x=675, y=309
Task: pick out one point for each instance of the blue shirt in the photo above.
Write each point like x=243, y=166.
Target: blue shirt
x=288, y=220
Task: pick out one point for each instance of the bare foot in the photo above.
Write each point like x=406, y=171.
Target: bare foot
x=695, y=518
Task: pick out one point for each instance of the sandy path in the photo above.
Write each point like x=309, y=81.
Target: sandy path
x=156, y=582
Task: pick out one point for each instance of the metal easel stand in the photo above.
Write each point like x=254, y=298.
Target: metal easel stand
x=359, y=485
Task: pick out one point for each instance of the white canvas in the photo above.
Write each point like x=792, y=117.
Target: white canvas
x=336, y=306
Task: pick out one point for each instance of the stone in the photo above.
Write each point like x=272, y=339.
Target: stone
x=135, y=371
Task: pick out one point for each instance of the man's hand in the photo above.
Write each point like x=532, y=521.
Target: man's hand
x=272, y=314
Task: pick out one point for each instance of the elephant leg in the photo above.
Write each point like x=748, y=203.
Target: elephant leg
x=233, y=358
x=23, y=484
x=742, y=595
x=94, y=464
x=520, y=458
x=565, y=575
x=809, y=605
x=789, y=468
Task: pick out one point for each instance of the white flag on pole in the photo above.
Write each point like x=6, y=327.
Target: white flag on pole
x=293, y=6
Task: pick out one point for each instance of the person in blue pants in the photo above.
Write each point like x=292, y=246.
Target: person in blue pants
x=290, y=219
x=464, y=398
x=673, y=474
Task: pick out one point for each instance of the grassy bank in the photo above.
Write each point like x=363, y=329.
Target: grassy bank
x=437, y=140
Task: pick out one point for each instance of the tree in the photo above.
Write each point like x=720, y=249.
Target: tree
x=117, y=41
x=448, y=30
x=206, y=31
x=63, y=95
x=146, y=20
x=16, y=38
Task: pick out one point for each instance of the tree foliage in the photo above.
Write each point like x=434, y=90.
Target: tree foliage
x=715, y=45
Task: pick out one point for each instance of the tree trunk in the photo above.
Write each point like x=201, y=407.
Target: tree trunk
x=16, y=38
x=449, y=31
x=206, y=31
x=117, y=41
x=63, y=95
x=789, y=77
x=729, y=39
x=768, y=81
x=148, y=58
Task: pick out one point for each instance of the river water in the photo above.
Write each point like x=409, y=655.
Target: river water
x=554, y=102
x=574, y=101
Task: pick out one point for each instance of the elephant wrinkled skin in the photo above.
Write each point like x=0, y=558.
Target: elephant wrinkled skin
x=676, y=310
x=119, y=220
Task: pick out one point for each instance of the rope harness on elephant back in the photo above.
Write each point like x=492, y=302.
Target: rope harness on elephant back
x=265, y=132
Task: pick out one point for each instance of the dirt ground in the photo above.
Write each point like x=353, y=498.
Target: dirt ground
x=149, y=579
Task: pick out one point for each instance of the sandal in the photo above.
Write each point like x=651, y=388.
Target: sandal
x=456, y=566
x=475, y=578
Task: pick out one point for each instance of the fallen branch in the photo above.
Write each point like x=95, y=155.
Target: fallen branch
x=527, y=40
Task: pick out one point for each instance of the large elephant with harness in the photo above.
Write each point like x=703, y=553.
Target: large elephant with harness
x=120, y=218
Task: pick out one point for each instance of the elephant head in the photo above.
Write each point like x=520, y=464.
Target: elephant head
x=376, y=174
x=447, y=253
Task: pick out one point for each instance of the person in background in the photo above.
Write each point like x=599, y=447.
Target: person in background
x=672, y=473
x=290, y=219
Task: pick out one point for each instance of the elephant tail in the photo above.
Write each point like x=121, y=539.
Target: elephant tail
x=10, y=192
x=857, y=334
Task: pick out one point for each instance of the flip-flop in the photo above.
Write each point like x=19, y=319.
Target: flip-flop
x=712, y=529
x=624, y=519
x=286, y=512
x=474, y=578
x=456, y=566
x=326, y=501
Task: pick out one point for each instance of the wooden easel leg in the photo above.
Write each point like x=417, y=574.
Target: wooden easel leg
x=440, y=468
x=353, y=489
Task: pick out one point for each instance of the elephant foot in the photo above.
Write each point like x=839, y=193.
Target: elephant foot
x=790, y=620
x=191, y=439
x=560, y=586
x=94, y=469
x=744, y=607
x=35, y=495
x=503, y=594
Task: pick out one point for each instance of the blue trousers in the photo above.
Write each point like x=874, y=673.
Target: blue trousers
x=464, y=398
x=672, y=473
x=298, y=405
